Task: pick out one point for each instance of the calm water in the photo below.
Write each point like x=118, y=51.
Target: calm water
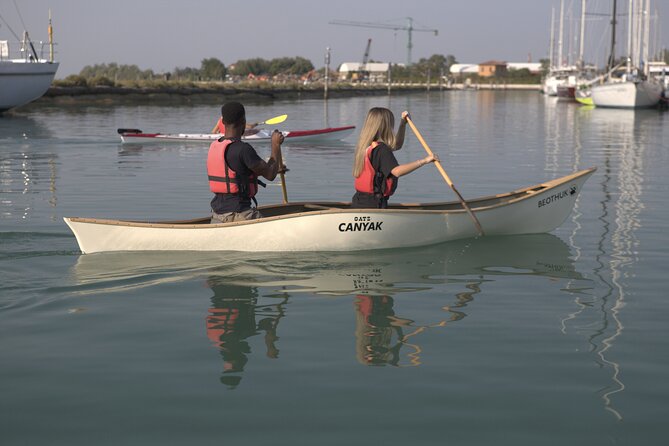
x=546, y=339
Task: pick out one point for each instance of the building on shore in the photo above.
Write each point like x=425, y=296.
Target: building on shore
x=368, y=72
x=492, y=68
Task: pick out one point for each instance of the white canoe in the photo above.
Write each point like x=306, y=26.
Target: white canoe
x=335, y=226
x=316, y=135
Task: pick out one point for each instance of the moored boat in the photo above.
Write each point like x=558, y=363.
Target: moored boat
x=26, y=76
x=584, y=96
x=635, y=88
x=315, y=135
x=627, y=94
x=335, y=226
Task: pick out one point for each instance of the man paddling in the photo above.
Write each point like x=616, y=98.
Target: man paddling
x=250, y=128
x=233, y=168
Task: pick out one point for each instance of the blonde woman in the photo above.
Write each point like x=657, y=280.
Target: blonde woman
x=375, y=167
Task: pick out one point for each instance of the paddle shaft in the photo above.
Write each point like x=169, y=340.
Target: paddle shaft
x=445, y=175
x=275, y=120
x=283, y=177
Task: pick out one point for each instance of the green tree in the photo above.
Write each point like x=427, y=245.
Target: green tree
x=545, y=66
x=254, y=66
x=280, y=65
x=186, y=74
x=212, y=69
x=450, y=60
x=116, y=72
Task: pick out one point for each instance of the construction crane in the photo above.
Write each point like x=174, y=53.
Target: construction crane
x=364, y=72
x=409, y=28
x=365, y=58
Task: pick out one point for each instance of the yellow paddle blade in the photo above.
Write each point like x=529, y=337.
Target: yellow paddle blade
x=276, y=120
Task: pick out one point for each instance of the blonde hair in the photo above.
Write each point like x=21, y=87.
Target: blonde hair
x=378, y=127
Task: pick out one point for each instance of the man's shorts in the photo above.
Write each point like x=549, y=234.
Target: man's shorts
x=249, y=214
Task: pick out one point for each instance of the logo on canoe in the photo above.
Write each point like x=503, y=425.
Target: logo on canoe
x=558, y=196
x=361, y=224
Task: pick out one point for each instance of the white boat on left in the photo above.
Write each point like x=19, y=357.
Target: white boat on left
x=25, y=75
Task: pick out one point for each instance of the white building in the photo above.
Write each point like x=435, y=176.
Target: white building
x=373, y=71
x=460, y=69
x=532, y=67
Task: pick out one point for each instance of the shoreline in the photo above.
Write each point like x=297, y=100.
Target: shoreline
x=57, y=95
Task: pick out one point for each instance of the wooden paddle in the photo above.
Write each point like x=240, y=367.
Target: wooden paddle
x=283, y=178
x=275, y=120
x=445, y=175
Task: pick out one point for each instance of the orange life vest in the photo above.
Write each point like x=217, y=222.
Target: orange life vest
x=220, y=127
x=222, y=179
x=370, y=181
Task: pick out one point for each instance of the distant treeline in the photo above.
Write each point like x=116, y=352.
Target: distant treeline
x=211, y=69
x=280, y=69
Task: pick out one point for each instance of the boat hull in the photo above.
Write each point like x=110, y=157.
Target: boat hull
x=627, y=94
x=23, y=82
x=566, y=92
x=338, y=227
x=316, y=135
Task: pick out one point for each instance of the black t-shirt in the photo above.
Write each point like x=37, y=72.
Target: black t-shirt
x=239, y=157
x=384, y=161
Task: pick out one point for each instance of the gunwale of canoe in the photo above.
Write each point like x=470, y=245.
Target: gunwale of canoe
x=299, y=209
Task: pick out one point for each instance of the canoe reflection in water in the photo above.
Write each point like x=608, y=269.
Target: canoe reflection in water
x=379, y=333
x=251, y=290
x=232, y=319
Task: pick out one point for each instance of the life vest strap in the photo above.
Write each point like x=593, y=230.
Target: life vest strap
x=227, y=179
x=220, y=179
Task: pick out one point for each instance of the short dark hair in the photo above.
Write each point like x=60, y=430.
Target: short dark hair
x=232, y=113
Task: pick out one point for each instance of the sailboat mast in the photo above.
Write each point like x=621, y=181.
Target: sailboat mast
x=612, y=57
x=646, y=39
x=560, y=33
x=630, y=22
x=551, y=55
x=50, y=39
x=581, y=63
x=638, y=35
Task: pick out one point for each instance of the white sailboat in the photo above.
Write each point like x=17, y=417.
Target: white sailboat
x=566, y=76
x=633, y=89
x=27, y=76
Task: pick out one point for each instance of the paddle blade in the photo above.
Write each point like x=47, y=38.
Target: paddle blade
x=122, y=131
x=276, y=120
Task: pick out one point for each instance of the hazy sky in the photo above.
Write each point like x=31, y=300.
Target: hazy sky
x=162, y=35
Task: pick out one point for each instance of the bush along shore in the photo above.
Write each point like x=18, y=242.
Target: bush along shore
x=209, y=92
x=170, y=92
x=175, y=93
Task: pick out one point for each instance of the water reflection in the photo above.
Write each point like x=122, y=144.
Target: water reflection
x=27, y=171
x=620, y=198
x=15, y=128
x=251, y=291
x=235, y=316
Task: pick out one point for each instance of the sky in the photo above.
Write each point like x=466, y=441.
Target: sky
x=162, y=35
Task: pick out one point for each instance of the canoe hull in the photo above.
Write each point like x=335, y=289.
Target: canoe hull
x=337, y=227
x=264, y=136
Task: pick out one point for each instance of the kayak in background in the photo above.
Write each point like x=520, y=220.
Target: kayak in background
x=317, y=135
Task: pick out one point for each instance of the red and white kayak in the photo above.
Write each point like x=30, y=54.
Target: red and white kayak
x=317, y=135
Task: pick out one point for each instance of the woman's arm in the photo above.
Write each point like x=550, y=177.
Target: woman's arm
x=401, y=131
x=404, y=169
